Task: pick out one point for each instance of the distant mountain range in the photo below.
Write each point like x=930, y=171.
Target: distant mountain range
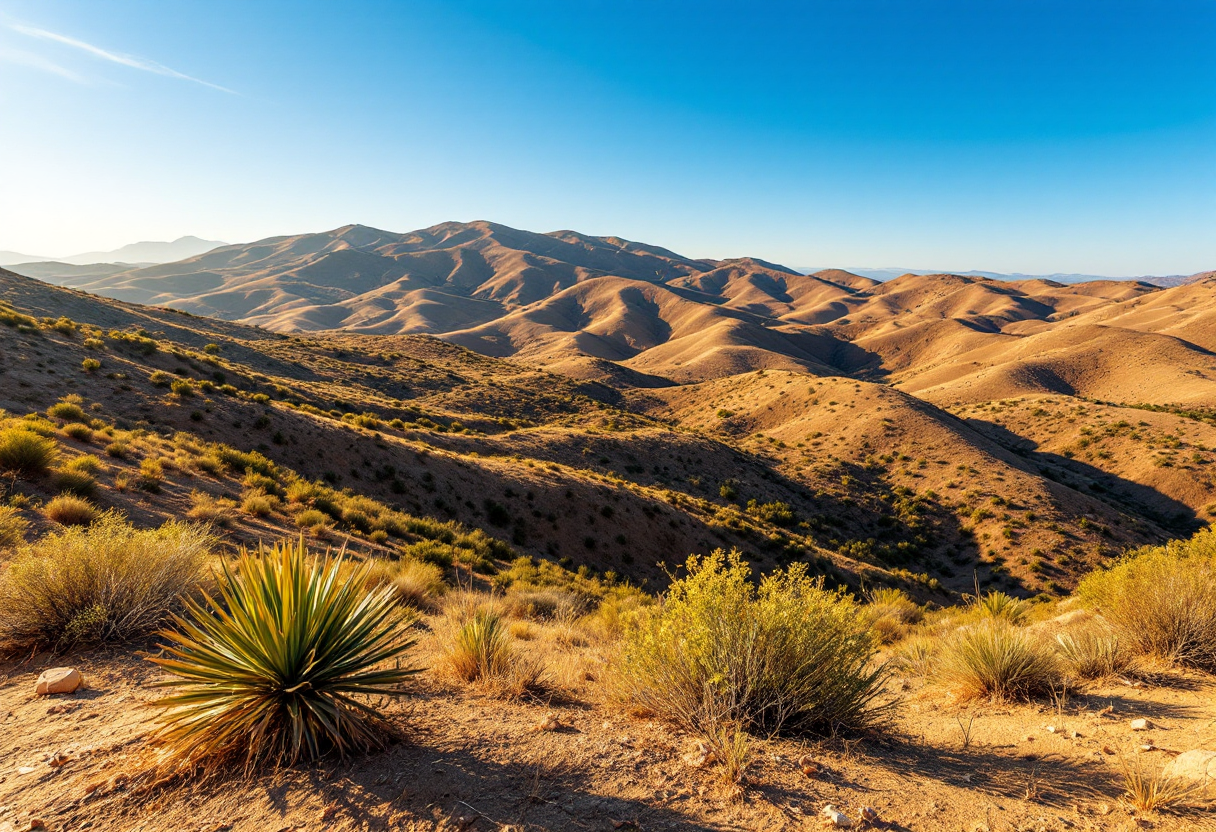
x=132, y=254
x=610, y=309
x=892, y=273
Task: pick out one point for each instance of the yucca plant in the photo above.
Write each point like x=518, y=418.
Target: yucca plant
x=997, y=604
x=274, y=668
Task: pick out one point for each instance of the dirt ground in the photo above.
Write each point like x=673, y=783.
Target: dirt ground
x=475, y=762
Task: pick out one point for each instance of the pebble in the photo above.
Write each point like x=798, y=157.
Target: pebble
x=1141, y=724
x=834, y=817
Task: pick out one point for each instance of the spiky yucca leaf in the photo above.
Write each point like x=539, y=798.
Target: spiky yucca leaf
x=270, y=670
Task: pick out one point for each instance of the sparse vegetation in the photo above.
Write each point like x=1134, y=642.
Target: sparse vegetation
x=69, y=510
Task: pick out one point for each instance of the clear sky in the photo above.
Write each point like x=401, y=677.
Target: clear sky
x=1009, y=136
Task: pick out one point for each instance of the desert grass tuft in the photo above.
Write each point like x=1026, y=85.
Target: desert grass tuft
x=476, y=646
x=995, y=660
x=1152, y=789
x=70, y=510
x=13, y=526
x=1093, y=653
x=278, y=666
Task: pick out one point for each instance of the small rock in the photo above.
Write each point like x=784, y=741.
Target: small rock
x=699, y=757
x=1028, y=738
x=1076, y=735
x=58, y=680
x=1106, y=749
x=808, y=765
x=550, y=722
x=26, y=770
x=37, y=823
x=59, y=760
x=1197, y=766
x=1051, y=729
x=836, y=818
x=1148, y=747
x=1141, y=724
x=868, y=814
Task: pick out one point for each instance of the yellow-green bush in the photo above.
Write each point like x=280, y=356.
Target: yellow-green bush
x=1161, y=600
x=106, y=582
x=787, y=655
x=25, y=452
x=12, y=526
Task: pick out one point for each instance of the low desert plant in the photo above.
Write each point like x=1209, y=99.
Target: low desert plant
x=69, y=510
x=78, y=431
x=475, y=641
x=25, y=452
x=994, y=659
x=1161, y=600
x=68, y=409
x=257, y=503
x=73, y=481
x=788, y=655
x=1000, y=605
x=1150, y=789
x=90, y=365
x=208, y=508
x=1092, y=653
x=276, y=667
x=107, y=582
x=417, y=583
x=12, y=527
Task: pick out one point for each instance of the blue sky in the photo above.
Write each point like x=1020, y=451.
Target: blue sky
x=1021, y=136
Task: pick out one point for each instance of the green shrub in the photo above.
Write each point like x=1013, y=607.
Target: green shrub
x=85, y=463
x=25, y=452
x=1161, y=600
x=246, y=461
x=787, y=656
x=90, y=365
x=257, y=503
x=997, y=604
x=78, y=431
x=72, y=481
x=107, y=582
x=182, y=388
x=994, y=659
x=118, y=449
x=277, y=666
x=207, y=508
x=69, y=410
x=12, y=527
x=310, y=517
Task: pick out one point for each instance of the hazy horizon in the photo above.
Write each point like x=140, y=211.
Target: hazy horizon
x=1008, y=137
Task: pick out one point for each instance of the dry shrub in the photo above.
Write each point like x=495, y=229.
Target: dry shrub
x=12, y=526
x=788, y=655
x=891, y=612
x=999, y=605
x=416, y=583
x=78, y=431
x=1093, y=652
x=25, y=452
x=917, y=655
x=1161, y=600
x=258, y=503
x=476, y=647
x=207, y=508
x=107, y=582
x=68, y=409
x=68, y=510
x=994, y=659
x=86, y=463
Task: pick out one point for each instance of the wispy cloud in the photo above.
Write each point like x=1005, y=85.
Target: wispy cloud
x=114, y=57
x=29, y=59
